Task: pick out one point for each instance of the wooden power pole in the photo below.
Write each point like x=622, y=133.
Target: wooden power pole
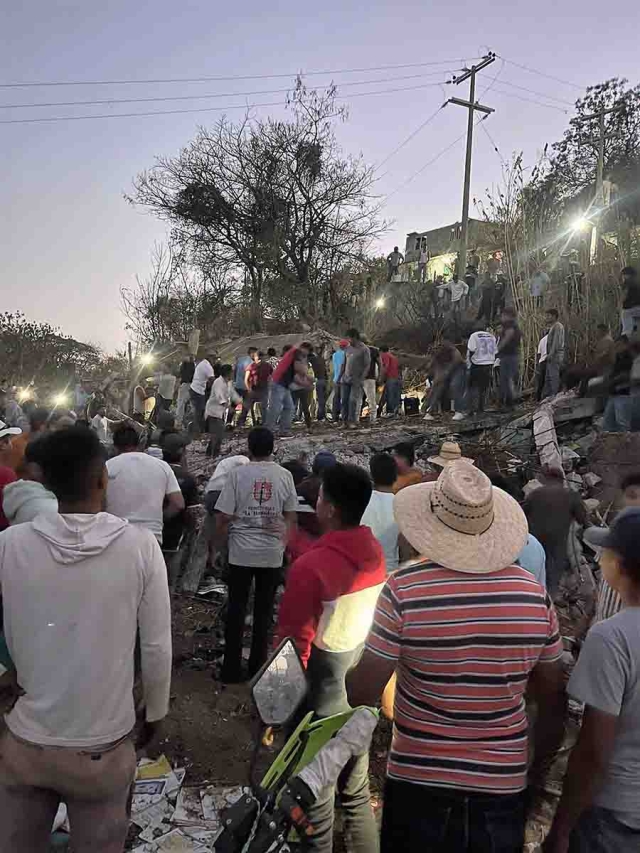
x=472, y=106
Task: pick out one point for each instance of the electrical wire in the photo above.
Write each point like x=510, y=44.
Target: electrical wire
x=534, y=92
x=432, y=161
x=48, y=83
x=530, y=100
x=409, y=138
x=493, y=145
x=108, y=101
x=541, y=73
x=50, y=119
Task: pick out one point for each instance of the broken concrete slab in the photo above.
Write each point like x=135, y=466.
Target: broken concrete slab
x=574, y=409
x=591, y=480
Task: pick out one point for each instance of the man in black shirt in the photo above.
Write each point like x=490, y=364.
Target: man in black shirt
x=187, y=369
x=317, y=362
x=173, y=447
x=509, y=355
x=370, y=383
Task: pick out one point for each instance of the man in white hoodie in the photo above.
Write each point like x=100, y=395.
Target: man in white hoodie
x=76, y=587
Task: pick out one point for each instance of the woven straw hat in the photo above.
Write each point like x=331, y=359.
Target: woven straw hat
x=461, y=521
x=449, y=452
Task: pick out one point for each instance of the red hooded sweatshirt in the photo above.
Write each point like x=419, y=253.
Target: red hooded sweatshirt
x=331, y=592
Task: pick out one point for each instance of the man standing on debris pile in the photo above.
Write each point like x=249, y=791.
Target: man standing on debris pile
x=550, y=510
x=356, y=368
x=223, y=395
x=77, y=586
x=599, y=811
x=555, y=353
x=390, y=379
x=327, y=609
x=509, y=355
x=255, y=511
x=142, y=489
x=337, y=363
x=291, y=371
x=202, y=376
x=481, y=357
x=185, y=378
x=448, y=375
x=258, y=378
x=370, y=383
x=618, y=411
x=319, y=367
x=467, y=633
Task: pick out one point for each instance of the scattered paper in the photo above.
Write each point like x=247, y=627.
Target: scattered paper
x=152, y=816
x=215, y=799
x=188, y=807
x=154, y=769
x=147, y=793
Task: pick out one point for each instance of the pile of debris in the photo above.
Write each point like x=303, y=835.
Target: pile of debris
x=168, y=817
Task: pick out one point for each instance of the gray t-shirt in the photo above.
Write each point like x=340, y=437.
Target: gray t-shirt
x=358, y=362
x=607, y=677
x=257, y=495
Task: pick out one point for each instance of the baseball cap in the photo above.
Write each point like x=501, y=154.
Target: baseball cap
x=344, y=344
x=6, y=430
x=622, y=536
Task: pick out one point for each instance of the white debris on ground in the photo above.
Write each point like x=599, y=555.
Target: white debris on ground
x=173, y=818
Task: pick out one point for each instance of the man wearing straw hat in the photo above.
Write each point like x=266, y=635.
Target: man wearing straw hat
x=467, y=633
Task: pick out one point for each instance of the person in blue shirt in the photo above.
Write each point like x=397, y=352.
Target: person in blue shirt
x=337, y=362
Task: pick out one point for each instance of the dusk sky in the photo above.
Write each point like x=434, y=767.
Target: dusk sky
x=69, y=240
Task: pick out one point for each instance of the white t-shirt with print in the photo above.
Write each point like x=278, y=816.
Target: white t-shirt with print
x=256, y=496
x=482, y=348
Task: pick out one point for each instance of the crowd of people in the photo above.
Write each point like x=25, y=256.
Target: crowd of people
x=427, y=587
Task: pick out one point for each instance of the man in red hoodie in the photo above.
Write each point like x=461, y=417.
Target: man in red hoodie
x=327, y=609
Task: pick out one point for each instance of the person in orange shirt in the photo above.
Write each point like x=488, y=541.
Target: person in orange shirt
x=408, y=475
x=38, y=424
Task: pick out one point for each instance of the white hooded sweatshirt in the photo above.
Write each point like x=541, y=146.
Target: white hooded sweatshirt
x=75, y=589
x=25, y=500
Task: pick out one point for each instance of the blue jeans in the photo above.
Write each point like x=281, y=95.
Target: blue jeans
x=321, y=398
x=393, y=388
x=280, y=408
x=421, y=818
x=599, y=831
x=509, y=367
x=617, y=414
x=345, y=397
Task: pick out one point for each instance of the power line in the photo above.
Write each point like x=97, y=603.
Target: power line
x=534, y=92
x=108, y=101
x=50, y=119
x=289, y=75
x=529, y=100
x=493, y=144
x=430, y=162
x=409, y=138
x=542, y=73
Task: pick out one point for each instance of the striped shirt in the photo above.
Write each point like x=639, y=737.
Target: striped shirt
x=465, y=646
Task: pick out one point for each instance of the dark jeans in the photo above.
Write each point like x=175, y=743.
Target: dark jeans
x=321, y=397
x=425, y=819
x=215, y=428
x=257, y=395
x=336, y=406
x=345, y=396
x=599, y=831
x=479, y=384
x=199, y=403
x=240, y=580
x=509, y=366
x=301, y=399
x=393, y=387
x=541, y=374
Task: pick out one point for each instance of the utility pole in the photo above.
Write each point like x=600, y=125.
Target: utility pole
x=472, y=106
x=598, y=202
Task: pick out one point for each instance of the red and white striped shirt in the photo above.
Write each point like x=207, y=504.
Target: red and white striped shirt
x=465, y=646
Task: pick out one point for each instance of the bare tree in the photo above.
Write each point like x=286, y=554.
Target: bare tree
x=275, y=198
